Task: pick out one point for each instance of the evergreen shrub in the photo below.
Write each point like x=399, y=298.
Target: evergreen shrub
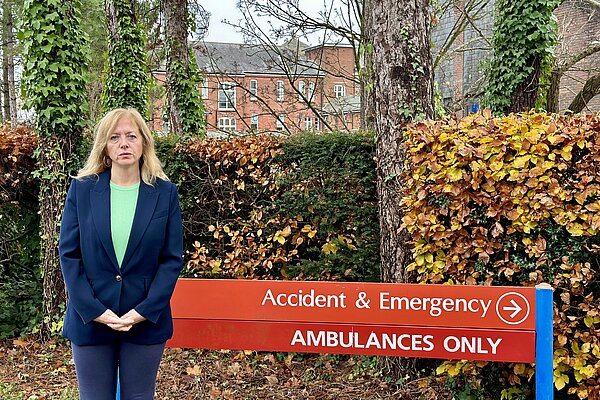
x=270, y=208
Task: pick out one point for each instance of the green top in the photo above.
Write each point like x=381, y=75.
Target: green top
x=123, y=201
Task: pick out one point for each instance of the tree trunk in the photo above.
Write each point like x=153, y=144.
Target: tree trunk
x=112, y=24
x=590, y=89
x=401, y=92
x=553, y=92
x=8, y=66
x=176, y=13
x=54, y=159
x=525, y=95
x=5, y=87
x=60, y=65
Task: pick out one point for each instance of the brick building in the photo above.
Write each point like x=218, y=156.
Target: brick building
x=254, y=89
x=459, y=74
x=579, y=23
x=296, y=88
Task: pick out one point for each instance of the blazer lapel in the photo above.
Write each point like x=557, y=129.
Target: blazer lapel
x=100, y=206
x=146, y=203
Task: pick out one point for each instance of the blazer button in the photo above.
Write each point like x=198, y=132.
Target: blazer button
x=118, y=278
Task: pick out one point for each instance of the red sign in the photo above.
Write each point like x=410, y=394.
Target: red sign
x=433, y=321
x=384, y=340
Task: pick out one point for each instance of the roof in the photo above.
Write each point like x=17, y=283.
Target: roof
x=341, y=45
x=243, y=59
x=342, y=105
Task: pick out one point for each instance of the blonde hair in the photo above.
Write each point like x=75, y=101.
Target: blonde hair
x=99, y=161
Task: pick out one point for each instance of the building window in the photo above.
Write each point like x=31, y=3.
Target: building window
x=227, y=124
x=280, y=121
x=308, y=123
x=254, y=122
x=339, y=90
x=204, y=89
x=301, y=85
x=279, y=90
x=226, y=96
x=317, y=124
x=253, y=89
x=311, y=91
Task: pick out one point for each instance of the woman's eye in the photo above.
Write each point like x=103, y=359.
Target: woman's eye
x=114, y=138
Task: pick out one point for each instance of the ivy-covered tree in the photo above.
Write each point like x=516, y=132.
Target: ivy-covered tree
x=186, y=110
x=92, y=18
x=525, y=33
x=127, y=77
x=55, y=63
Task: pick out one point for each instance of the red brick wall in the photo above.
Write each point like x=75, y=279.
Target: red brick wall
x=265, y=105
x=579, y=27
x=339, y=64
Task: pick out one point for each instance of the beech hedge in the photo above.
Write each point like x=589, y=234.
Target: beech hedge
x=513, y=201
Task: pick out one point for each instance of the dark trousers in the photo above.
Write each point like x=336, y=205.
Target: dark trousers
x=96, y=368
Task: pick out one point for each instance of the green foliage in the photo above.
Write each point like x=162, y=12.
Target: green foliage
x=20, y=305
x=55, y=60
x=127, y=78
x=366, y=367
x=184, y=82
x=93, y=23
x=10, y=392
x=524, y=35
x=463, y=389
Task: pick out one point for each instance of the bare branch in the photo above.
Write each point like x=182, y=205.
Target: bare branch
x=577, y=57
x=594, y=3
x=589, y=91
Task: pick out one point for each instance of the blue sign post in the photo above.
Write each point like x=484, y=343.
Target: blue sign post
x=544, y=350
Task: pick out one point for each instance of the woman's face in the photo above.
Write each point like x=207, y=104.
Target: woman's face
x=125, y=144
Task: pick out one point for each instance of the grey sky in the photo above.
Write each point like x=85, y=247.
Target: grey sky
x=226, y=10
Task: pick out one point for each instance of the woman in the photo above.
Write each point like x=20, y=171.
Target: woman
x=120, y=252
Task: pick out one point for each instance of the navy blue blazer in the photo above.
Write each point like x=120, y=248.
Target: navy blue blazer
x=148, y=273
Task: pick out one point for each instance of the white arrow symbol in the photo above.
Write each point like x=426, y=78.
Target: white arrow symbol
x=515, y=308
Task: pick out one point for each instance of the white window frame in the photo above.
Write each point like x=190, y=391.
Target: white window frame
x=280, y=91
x=253, y=89
x=311, y=91
x=339, y=90
x=224, y=89
x=301, y=88
x=227, y=124
x=308, y=123
x=204, y=89
x=254, y=121
x=317, y=124
x=280, y=121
